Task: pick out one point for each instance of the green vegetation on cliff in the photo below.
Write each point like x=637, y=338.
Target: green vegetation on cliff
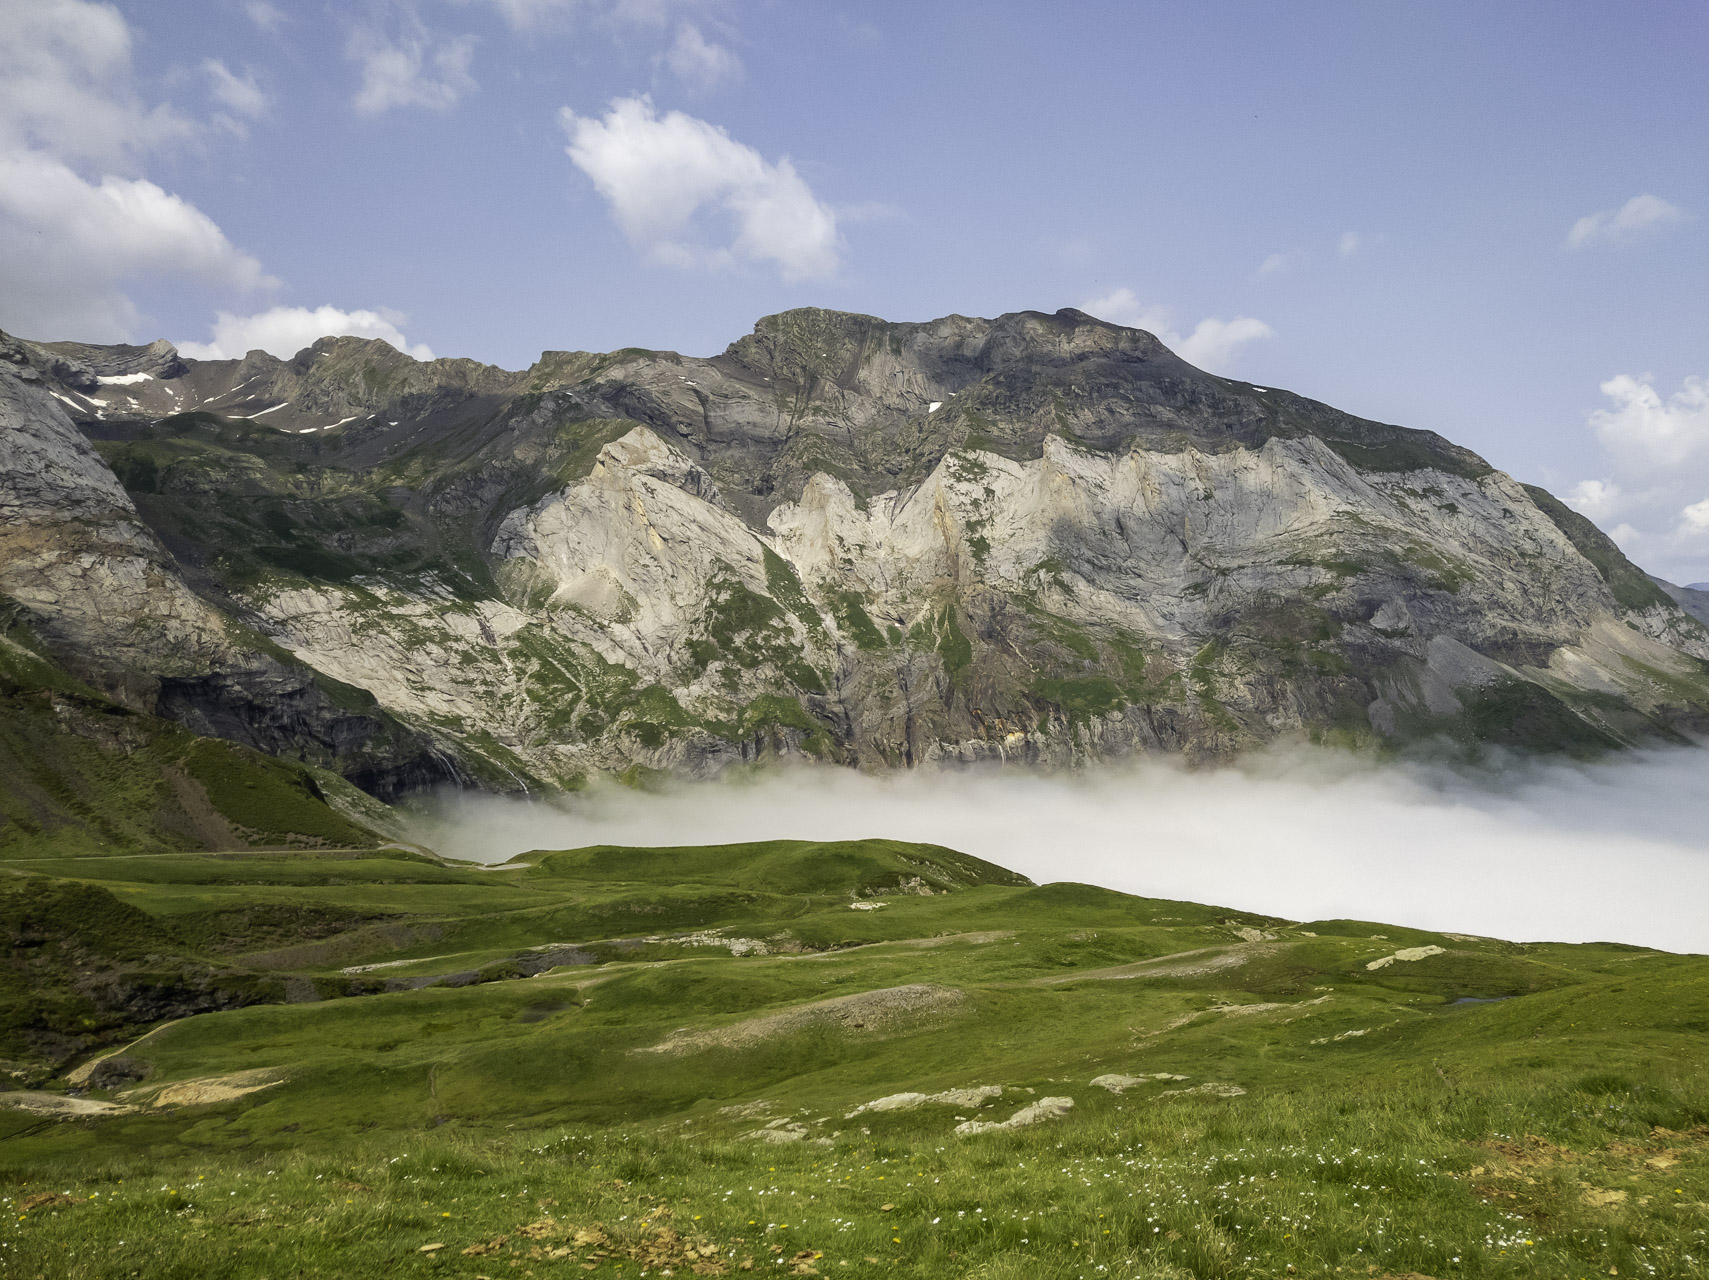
x=81, y=774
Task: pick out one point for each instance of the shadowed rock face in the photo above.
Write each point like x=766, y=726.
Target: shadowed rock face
x=1039, y=538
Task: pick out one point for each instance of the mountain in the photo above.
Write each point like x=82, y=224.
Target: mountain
x=1039, y=538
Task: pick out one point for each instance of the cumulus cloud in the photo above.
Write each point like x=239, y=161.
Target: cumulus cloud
x=65, y=87
x=78, y=222
x=1640, y=216
x=687, y=194
x=411, y=66
x=1212, y=345
x=1595, y=498
x=1647, y=433
x=1611, y=851
x=68, y=246
x=700, y=63
x=284, y=331
x=1652, y=502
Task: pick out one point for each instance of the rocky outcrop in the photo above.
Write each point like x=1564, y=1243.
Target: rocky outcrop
x=81, y=568
x=76, y=556
x=1039, y=538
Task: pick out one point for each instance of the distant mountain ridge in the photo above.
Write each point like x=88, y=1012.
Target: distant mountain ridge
x=1039, y=538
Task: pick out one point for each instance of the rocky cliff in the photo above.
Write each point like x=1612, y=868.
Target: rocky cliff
x=1039, y=538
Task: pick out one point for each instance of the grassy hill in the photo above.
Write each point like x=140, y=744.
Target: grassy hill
x=81, y=774
x=859, y=1058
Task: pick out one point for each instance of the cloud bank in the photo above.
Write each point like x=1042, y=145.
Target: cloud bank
x=284, y=331
x=686, y=194
x=1612, y=851
x=1212, y=345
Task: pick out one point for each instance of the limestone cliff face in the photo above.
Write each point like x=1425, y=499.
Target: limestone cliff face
x=76, y=555
x=1036, y=538
x=80, y=567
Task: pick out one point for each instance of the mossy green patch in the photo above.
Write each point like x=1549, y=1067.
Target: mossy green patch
x=856, y=622
x=269, y=798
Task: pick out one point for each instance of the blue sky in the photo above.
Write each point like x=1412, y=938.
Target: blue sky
x=1492, y=221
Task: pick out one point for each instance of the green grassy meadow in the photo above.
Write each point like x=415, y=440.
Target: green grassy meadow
x=619, y=1061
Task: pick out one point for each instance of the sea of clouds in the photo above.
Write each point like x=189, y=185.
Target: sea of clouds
x=1616, y=850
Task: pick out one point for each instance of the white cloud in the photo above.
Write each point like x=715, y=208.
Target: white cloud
x=1274, y=263
x=68, y=246
x=1658, y=453
x=266, y=16
x=65, y=86
x=284, y=331
x=1639, y=216
x=414, y=67
x=238, y=93
x=524, y=14
x=669, y=178
x=78, y=224
x=1124, y=307
x=700, y=63
x=1595, y=497
x=1211, y=345
x=1349, y=244
x=1648, y=434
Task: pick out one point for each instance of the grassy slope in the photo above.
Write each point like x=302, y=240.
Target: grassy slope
x=1382, y=1124
x=82, y=775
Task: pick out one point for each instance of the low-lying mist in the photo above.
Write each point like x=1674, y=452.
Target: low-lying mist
x=1612, y=851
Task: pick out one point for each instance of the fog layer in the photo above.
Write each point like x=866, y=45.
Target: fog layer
x=1612, y=851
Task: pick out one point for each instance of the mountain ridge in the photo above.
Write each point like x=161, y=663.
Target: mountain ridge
x=1040, y=538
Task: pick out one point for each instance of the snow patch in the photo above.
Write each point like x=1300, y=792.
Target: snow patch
x=125, y=379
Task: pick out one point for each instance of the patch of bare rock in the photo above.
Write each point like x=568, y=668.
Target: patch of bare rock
x=872, y=1012
x=977, y=1096
x=1043, y=1109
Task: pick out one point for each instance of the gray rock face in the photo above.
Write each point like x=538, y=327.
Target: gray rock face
x=80, y=567
x=1037, y=538
x=75, y=554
